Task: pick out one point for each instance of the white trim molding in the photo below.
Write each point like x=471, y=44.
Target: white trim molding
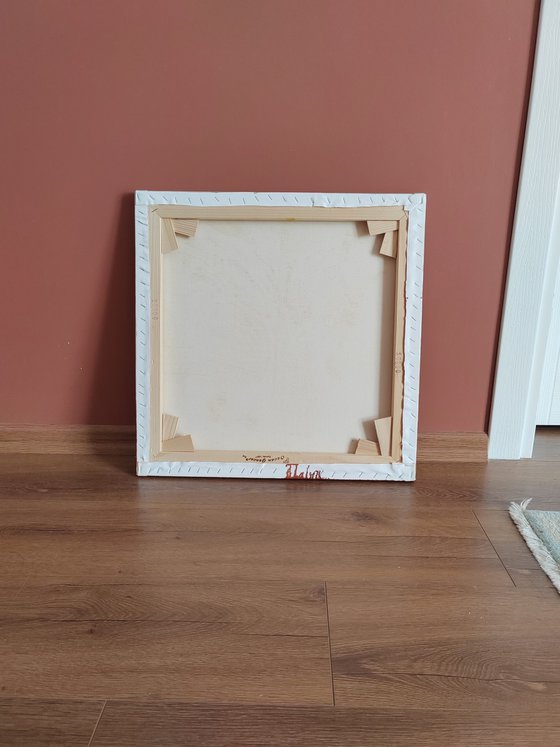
x=534, y=256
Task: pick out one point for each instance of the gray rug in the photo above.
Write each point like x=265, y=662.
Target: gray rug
x=541, y=532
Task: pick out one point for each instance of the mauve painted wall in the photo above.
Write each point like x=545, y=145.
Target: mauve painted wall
x=103, y=97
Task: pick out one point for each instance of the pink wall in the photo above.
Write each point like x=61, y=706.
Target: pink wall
x=101, y=98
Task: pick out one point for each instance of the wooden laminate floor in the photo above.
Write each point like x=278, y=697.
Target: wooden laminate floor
x=138, y=613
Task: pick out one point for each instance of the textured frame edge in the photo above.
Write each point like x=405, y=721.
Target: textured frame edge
x=415, y=205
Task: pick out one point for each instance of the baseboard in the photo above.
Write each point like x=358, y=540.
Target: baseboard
x=452, y=447
x=67, y=439
x=119, y=439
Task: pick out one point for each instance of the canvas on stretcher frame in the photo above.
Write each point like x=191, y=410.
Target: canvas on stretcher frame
x=168, y=301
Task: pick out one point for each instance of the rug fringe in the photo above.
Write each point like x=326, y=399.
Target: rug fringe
x=534, y=543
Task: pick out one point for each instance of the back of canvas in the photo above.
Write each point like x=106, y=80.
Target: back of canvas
x=277, y=335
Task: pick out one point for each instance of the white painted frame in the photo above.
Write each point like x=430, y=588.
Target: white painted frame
x=414, y=206
x=534, y=257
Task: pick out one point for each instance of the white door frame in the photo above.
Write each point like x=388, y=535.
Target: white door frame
x=534, y=256
x=547, y=409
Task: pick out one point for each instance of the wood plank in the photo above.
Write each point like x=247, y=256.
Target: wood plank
x=45, y=723
x=398, y=343
x=505, y=635
x=178, y=444
x=252, y=212
x=185, y=227
x=495, y=484
x=491, y=485
x=169, y=426
x=129, y=724
x=378, y=227
x=435, y=447
x=168, y=238
x=170, y=557
x=531, y=578
x=243, y=607
x=292, y=458
x=383, y=429
x=76, y=478
x=438, y=485
x=547, y=444
x=367, y=448
x=436, y=693
x=506, y=539
x=172, y=660
x=171, y=513
x=389, y=245
x=519, y=561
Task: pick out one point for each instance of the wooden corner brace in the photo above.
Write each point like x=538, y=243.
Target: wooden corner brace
x=170, y=441
x=367, y=448
x=383, y=430
x=377, y=227
x=172, y=226
x=371, y=448
x=184, y=227
x=388, y=229
x=169, y=425
x=389, y=244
